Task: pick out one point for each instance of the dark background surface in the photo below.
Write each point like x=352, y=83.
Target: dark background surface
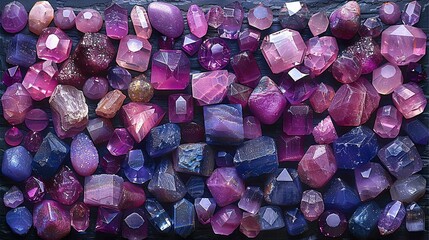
x=368, y=8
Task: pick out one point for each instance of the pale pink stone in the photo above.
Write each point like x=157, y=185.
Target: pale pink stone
x=141, y=22
x=209, y=87
x=388, y=122
x=89, y=21
x=312, y=205
x=321, y=53
x=53, y=44
x=40, y=16
x=197, y=21
x=252, y=127
x=386, y=78
x=134, y=53
x=321, y=98
x=409, y=99
x=324, y=132
x=318, y=23
x=260, y=17
x=16, y=102
x=40, y=80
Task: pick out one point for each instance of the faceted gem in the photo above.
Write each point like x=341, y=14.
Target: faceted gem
x=312, y=205
x=119, y=78
x=89, y=21
x=215, y=16
x=138, y=167
x=110, y=104
x=157, y=216
x=391, y=218
x=116, y=21
x=163, y=139
x=355, y=148
x=386, y=78
x=140, y=118
x=180, y=108
x=297, y=85
x=165, y=42
x=246, y=69
x=140, y=90
x=65, y=187
x=95, y=88
x=165, y=185
x=324, y=132
x=415, y=220
x=294, y=15
x=53, y=44
x=65, y=18
x=283, y=180
x=120, y=143
x=51, y=220
x=414, y=72
x=283, y=50
x=371, y=27
x=205, y=208
x=184, y=217
x=290, y=148
x=12, y=75
x=256, y=157
x=19, y=220
x=364, y=220
x=225, y=158
x=141, y=23
x=191, y=44
x=14, y=17
x=340, y=196
x=79, y=215
x=209, y=87
x=344, y=22
x=252, y=127
x=100, y=130
x=233, y=19
x=295, y=222
x=32, y=141
x=40, y=80
x=411, y=14
x=83, y=155
x=133, y=196
x=170, y=70
x=298, y=120
x=50, y=156
x=197, y=21
x=194, y=158
x=390, y=13
x=260, y=17
x=250, y=225
x=388, y=122
x=409, y=99
x=226, y=220
x=225, y=186
x=367, y=50
x=134, y=53
x=103, y=190
x=317, y=166
x=34, y=189
x=321, y=53
x=166, y=18
x=13, y=136
x=36, y=120
x=371, y=180
x=318, y=23
x=401, y=157
x=223, y=124
x=16, y=102
x=71, y=74
x=271, y=218
x=111, y=164
x=21, y=50
x=195, y=186
x=361, y=100
x=347, y=68
x=214, y=54
x=248, y=39
x=332, y=223
x=409, y=189
x=417, y=131
x=69, y=119
x=251, y=200
x=108, y=220
x=40, y=16
x=403, y=44
x=266, y=101
x=13, y=197
x=134, y=225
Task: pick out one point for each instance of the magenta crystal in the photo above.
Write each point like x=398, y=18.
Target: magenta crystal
x=321, y=98
x=233, y=18
x=34, y=189
x=95, y=88
x=248, y=39
x=321, y=53
x=36, y=120
x=16, y=102
x=32, y=141
x=12, y=75
x=120, y=142
x=134, y=53
x=324, y=132
x=290, y=148
x=347, y=68
x=215, y=16
x=166, y=18
x=103, y=190
x=13, y=136
x=197, y=21
x=246, y=69
x=214, y=54
x=51, y=220
x=297, y=85
x=317, y=166
x=411, y=14
x=165, y=42
x=64, y=18
x=14, y=17
x=226, y=220
x=13, y=197
x=225, y=186
x=79, y=215
x=116, y=21
x=345, y=20
x=191, y=44
x=89, y=21
x=391, y=218
x=298, y=120
x=332, y=223
x=318, y=23
x=83, y=155
x=239, y=94
x=371, y=180
x=387, y=78
x=260, y=17
x=409, y=99
x=54, y=45
x=390, y=13
x=388, y=122
x=209, y=87
x=170, y=70
x=367, y=50
x=312, y=205
x=252, y=127
x=180, y=108
x=40, y=80
x=65, y=187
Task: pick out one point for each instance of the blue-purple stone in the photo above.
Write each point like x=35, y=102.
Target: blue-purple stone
x=341, y=196
x=270, y=218
x=297, y=85
x=417, y=131
x=184, y=218
x=21, y=50
x=119, y=78
x=157, y=216
x=363, y=222
x=195, y=186
x=391, y=218
x=16, y=164
x=224, y=158
x=194, y=158
x=224, y=124
x=19, y=220
x=163, y=139
x=283, y=188
x=165, y=185
x=108, y=220
x=138, y=167
x=295, y=222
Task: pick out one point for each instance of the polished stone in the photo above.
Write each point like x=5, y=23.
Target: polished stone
x=283, y=180
x=165, y=184
x=225, y=185
x=194, y=158
x=50, y=156
x=317, y=166
x=223, y=124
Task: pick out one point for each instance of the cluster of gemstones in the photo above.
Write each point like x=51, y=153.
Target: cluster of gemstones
x=208, y=163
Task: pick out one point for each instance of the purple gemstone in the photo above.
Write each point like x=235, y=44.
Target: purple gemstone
x=79, y=215
x=170, y=70
x=260, y=17
x=225, y=185
x=223, y=124
x=180, y=108
x=298, y=120
x=116, y=21
x=210, y=87
x=411, y=14
x=332, y=223
x=13, y=197
x=345, y=20
x=215, y=16
x=65, y=18
x=252, y=127
x=36, y=120
x=371, y=27
x=390, y=13
x=138, y=167
x=290, y=148
x=120, y=142
x=371, y=180
x=294, y=15
x=83, y=155
x=191, y=44
x=65, y=187
x=13, y=136
x=108, y=220
x=238, y=94
x=119, y=78
x=103, y=190
x=100, y=130
x=415, y=72
x=246, y=69
x=251, y=200
x=205, y=208
x=32, y=141
x=51, y=220
x=226, y=220
x=165, y=42
x=95, y=88
x=12, y=75
x=111, y=164
x=388, y=122
x=321, y=53
x=347, y=68
x=233, y=18
x=34, y=189
x=14, y=17
x=22, y=50
x=248, y=39
x=297, y=85
x=391, y=218
x=166, y=18
x=214, y=54
x=324, y=132
x=134, y=225
x=368, y=52
x=192, y=132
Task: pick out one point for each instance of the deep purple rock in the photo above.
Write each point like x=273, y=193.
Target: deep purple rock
x=298, y=120
x=95, y=88
x=51, y=220
x=108, y=221
x=297, y=85
x=191, y=44
x=246, y=69
x=391, y=218
x=345, y=20
x=248, y=39
x=371, y=180
x=415, y=72
x=171, y=190
x=100, y=130
x=12, y=75
x=214, y=54
x=65, y=187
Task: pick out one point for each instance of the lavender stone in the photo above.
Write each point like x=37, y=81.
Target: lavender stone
x=224, y=124
x=16, y=164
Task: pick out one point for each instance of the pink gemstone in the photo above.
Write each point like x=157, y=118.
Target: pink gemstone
x=283, y=50
x=32, y=141
x=233, y=19
x=345, y=20
x=103, y=190
x=170, y=70
x=386, y=78
x=65, y=18
x=116, y=21
x=134, y=53
x=16, y=102
x=111, y=164
x=252, y=127
x=359, y=98
x=248, y=40
x=390, y=13
x=140, y=118
x=209, y=87
x=215, y=16
x=40, y=80
x=83, y=155
x=100, y=130
x=321, y=53
x=13, y=136
x=226, y=220
x=321, y=98
x=388, y=122
x=260, y=17
x=197, y=21
x=89, y=21
x=120, y=143
x=312, y=205
x=225, y=186
x=238, y=94
x=371, y=180
x=214, y=54
x=40, y=16
x=180, y=108
x=318, y=23
x=204, y=207
x=133, y=196
x=141, y=22
x=34, y=189
x=51, y=220
x=250, y=225
x=12, y=75
x=403, y=44
x=298, y=120
x=290, y=148
x=79, y=215
x=347, y=68
x=65, y=187
x=36, y=120
x=246, y=69
x=411, y=14
x=95, y=88
x=409, y=99
x=317, y=166
x=324, y=132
